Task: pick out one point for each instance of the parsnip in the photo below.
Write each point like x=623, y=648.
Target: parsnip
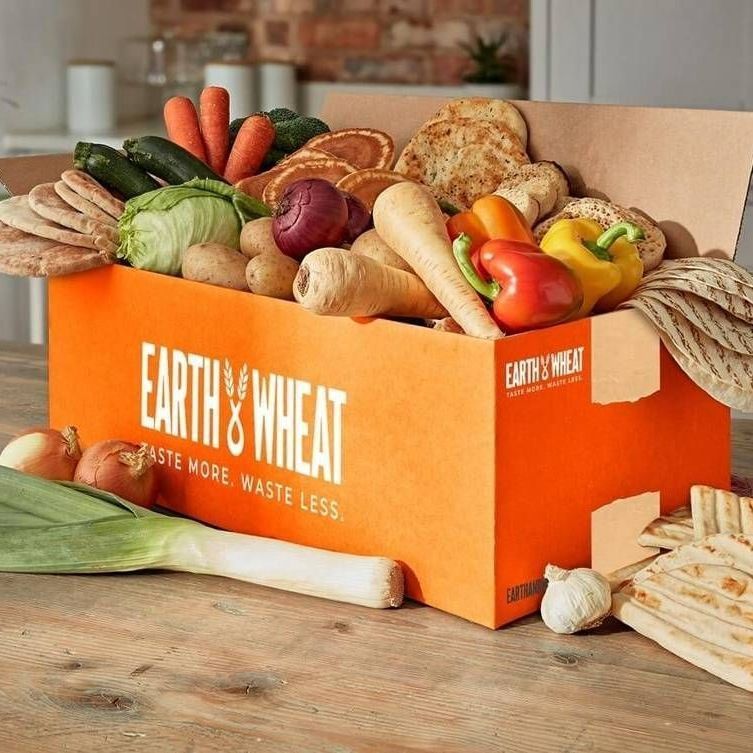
x=371, y=245
x=409, y=220
x=340, y=283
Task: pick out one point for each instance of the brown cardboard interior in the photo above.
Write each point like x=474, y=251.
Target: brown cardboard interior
x=20, y=174
x=688, y=169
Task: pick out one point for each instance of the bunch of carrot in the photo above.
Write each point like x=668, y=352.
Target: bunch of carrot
x=206, y=134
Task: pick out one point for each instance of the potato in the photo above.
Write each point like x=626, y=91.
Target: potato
x=257, y=238
x=215, y=264
x=272, y=274
x=371, y=245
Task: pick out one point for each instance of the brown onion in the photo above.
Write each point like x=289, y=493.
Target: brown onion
x=47, y=453
x=312, y=213
x=120, y=468
x=359, y=217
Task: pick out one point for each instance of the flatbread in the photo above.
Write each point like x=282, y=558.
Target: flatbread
x=697, y=602
x=17, y=213
x=651, y=248
x=44, y=201
x=497, y=111
x=720, y=511
x=84, y=185
x=725, y=365
x=26, y=255
x=70, y=197
x=669, y=531
x=728, y=330
x=461, y=159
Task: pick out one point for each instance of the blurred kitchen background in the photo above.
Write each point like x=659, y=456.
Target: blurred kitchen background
x=126, y=56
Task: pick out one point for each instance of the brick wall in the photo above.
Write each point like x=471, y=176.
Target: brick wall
x=407, y=41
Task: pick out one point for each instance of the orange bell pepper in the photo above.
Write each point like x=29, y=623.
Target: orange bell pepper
x=490, y=218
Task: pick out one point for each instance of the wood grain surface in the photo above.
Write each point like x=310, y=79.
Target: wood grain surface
x=172, y=663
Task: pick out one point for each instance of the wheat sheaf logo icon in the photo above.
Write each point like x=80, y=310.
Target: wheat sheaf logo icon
x=545, y=360
x=235, y=437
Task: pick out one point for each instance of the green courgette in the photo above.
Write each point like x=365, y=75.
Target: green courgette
x=112, y=169
x=166, y=160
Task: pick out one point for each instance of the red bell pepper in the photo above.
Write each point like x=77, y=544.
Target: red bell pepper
x=526, y=289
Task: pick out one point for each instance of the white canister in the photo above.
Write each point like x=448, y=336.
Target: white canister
x=238, y=79
x=277, y=82
x=90, y=96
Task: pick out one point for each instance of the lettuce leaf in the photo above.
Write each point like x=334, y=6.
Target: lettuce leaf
x=157, y=227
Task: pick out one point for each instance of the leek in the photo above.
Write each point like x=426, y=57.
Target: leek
x=49, y=527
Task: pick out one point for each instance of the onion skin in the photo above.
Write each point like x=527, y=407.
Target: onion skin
x=312, y=214
x=120, y=468
x=46, y=453
x=359, y=217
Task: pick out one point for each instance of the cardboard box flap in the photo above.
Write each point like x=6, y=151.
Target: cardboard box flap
x=688, y=169
x=20, y=174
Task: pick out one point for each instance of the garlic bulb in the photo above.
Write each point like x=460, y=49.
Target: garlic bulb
x=575, y=599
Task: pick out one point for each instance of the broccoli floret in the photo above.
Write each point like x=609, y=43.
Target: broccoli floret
x=273, y=157
x=294, y=133
x=281, y=113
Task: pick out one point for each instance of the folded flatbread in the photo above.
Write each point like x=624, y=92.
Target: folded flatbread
x=697, y=602
x=669, y=531
x=719, y=511
x=84, y=185
x=28, y=255
x=44, y=201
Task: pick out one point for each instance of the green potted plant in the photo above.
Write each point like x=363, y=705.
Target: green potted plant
x=494, y=71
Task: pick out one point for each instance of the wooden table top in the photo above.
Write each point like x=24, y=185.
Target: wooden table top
x=180, y=663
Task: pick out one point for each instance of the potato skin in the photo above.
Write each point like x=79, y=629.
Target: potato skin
x=257, y=238
x=215, y=264
x=272, y=274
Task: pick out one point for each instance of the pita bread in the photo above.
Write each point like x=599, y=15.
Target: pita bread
x=70, y=197
x=651, y=249
x=17, y=213
x=697, y=602
x=496, y=111
x=44, y=201
x=669, y=531
x=84, y=185
x=28, y=255
x=720, y=511
x=461, y=159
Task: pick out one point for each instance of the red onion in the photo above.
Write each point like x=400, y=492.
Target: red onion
x=312, y=213
x=121, y=468
x=359, y=217
x=46, y=453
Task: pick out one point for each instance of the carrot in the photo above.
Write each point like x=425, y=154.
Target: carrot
x=182, y=125
x=409, y=220
x=340, y=283
x=251, y=146
x=214, y=111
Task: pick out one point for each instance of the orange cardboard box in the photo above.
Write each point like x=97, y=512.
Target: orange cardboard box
x=473, y=463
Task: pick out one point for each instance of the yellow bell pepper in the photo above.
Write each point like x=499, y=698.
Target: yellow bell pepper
x=607, y=264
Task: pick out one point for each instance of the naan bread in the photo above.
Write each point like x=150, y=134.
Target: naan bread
x=496, y=111
x=461, y=159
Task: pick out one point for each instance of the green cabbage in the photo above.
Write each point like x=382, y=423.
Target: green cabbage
x=158, y=226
